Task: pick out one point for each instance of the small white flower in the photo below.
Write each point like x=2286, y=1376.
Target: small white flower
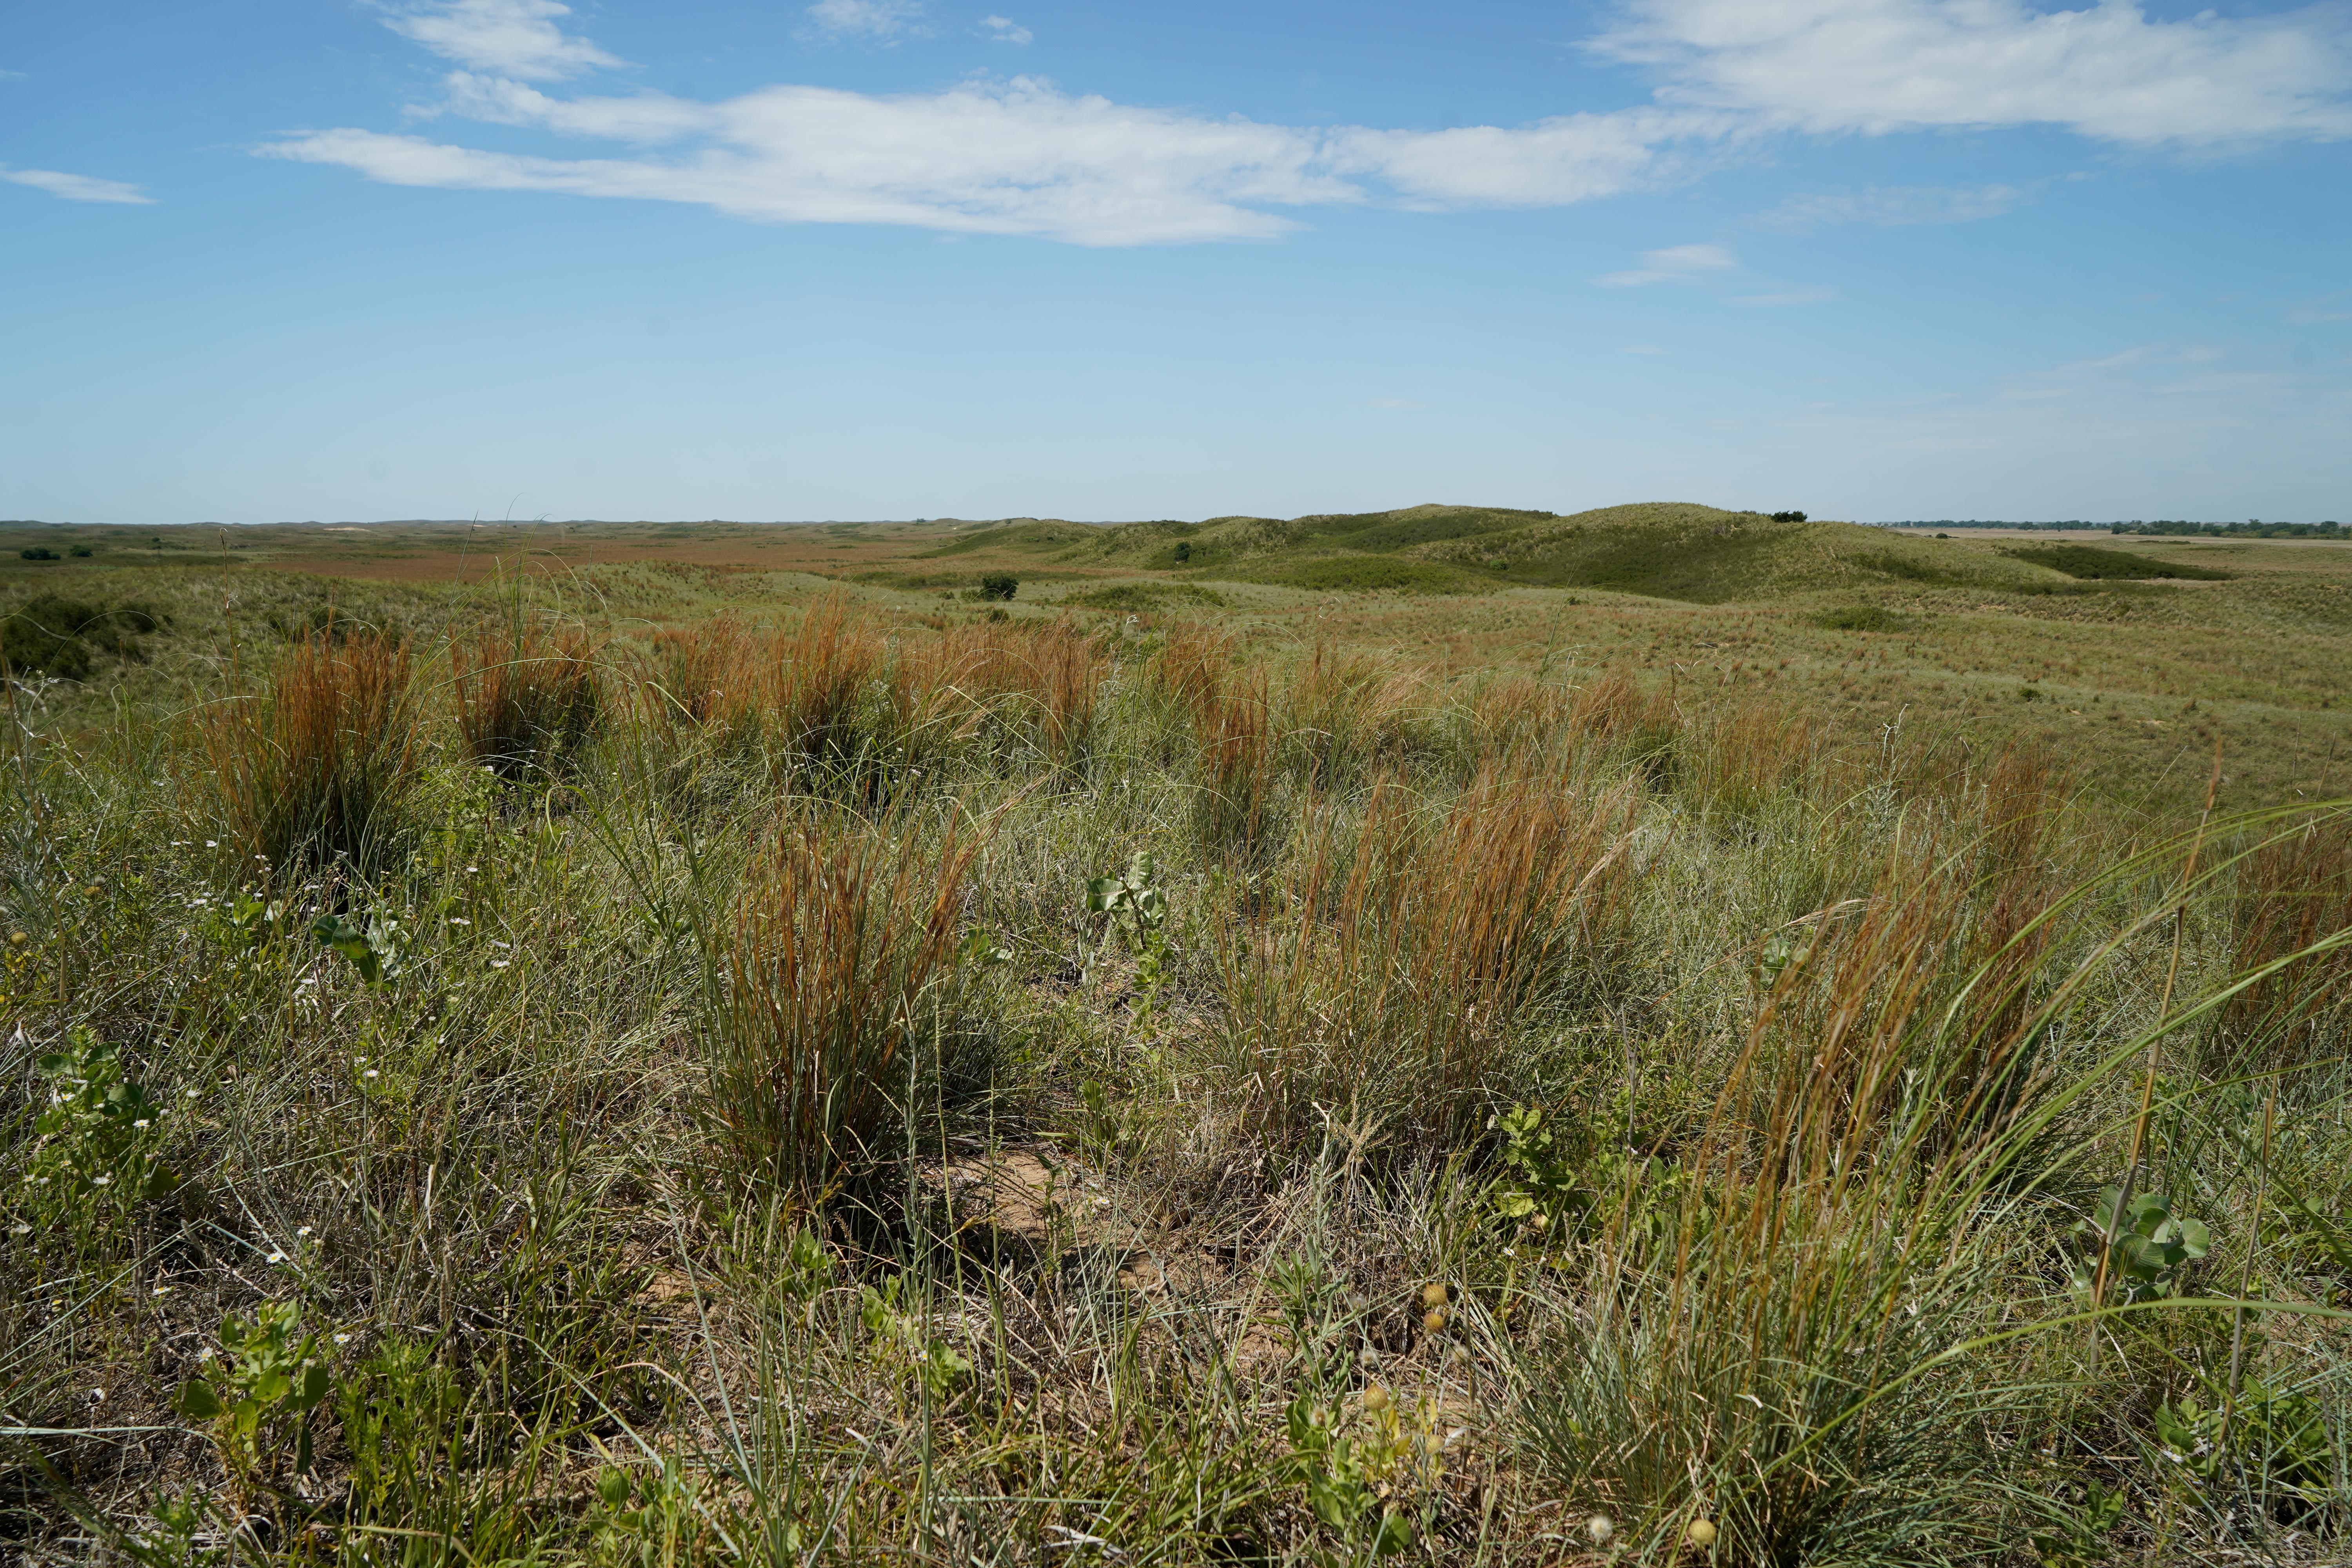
x=161, y=1291
x=361, y=1060
x=496, y=943
x=459, y=920
x=275, y=1257
x=98, y=1397
x=211, y=843
x=302, y=1230
x=501, y=963
x=190, y=1094
x=142, y=1121
x=473, y=868
x=370, y=1073
x=20, y=1230
x=343, y=1339
x=1510, y=1252
x=102, y=1180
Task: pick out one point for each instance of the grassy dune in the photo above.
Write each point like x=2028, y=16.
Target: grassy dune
x=1628, y=1043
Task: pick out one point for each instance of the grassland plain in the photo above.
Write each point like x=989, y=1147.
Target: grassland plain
x=1454, y=1035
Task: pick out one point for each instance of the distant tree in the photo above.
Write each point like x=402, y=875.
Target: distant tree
x=1183, y=552
x=81, y=551
x=1787, y=517
x=998, y=585
x=38, y=552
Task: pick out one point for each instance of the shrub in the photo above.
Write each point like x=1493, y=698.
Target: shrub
x=998, y=586
x=1787, y=517
x=525, y=701
x=80, y=551
x=838, y=942
x=38, y=552
x=317, y=770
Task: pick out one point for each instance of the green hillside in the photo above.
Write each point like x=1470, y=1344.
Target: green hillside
x=1681, y=551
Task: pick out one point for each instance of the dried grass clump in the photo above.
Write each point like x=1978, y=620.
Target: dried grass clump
x=1031, y=686
x=1738, y=762
x=839, y=941
x=526, y=701
x=2294, y=890
x=809, y=681
x=1617, y=711
x=1207, y=704
x=1427, y=944
x=315, y=771
x=693, y=679
x=1344, y=713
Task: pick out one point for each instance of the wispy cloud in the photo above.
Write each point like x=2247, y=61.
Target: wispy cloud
x=1675, y=264
x=2108, y=72
x=1016, y=157
x=78, y=187
x=14, y=76
x=1024, y=157
x=512, y=37
x=1890, y=205
x=1715, y=269
x=872, y=21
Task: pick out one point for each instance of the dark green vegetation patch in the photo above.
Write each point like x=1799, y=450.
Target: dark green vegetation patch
x=1861, y=618
x=51, y=635
x=2091, y=563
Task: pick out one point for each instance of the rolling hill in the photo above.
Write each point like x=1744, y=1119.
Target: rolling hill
x=1681, y=551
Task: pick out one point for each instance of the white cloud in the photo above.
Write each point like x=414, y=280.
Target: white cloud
x=512, y=37
x=879, y=21
x=1675, y=264
x=1019, y=157
x=1570, y=158
x=1023, y=158
x=14, y=76
x=78, y=187
x=1891, y=205
x=2108, y=72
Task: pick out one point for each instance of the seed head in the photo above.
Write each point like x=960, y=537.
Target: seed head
x=1435, y=1294
x=1376, y=1399
x=1433, y=1319
x=1701, y=1533
x=1600, y=1528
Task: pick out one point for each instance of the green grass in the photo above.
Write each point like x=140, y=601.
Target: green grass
x=2093, y=565
x=1554, y=1054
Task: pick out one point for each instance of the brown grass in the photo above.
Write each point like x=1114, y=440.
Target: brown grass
x=837, y=939
x=1425, y=944
x=525, y=700
x=314, y=771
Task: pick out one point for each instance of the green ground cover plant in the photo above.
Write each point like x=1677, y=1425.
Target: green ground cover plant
x=652, y=1066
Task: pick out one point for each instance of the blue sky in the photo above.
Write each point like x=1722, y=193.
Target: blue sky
x=262, y=259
